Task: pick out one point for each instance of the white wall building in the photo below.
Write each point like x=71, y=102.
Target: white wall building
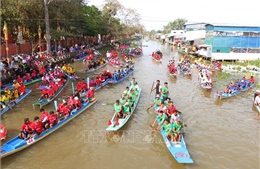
x=195, y=33
x=175, y=36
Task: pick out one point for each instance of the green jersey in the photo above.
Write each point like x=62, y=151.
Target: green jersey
x=178, y=127
x=132, y=96
x=167, y=127
x=161, y=117
x=122, y=101
x=166, y=103
x=117, y=107
x=165, y=91
x=126, y=109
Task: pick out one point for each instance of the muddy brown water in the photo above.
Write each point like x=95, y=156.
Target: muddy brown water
x=220, y=134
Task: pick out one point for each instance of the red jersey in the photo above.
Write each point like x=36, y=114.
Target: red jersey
x=171, y=109
x=52, y=118
x=44, y=116
x=90, y=93
x=28, y=77
x=28, y=128
x=252, y=80
x=22, y=89
x=37, y=126
x=19, y=79
x=66, y=110
x=98, y=82
x=61, y=107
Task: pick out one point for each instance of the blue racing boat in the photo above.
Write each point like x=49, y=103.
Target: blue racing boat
x=178, y=151
x=17, y=144
x=113, y=81
x=223, y=95
x=28, y=91
x=26, y=83
x=96, y=88
x=72, y=77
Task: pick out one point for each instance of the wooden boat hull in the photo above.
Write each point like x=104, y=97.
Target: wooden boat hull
x=97, y=68
x=121, y=79
x=223, y=95
x=122, y=122
x=28, y=91
x=16, y=144
x=44, y=102
x=178, y=151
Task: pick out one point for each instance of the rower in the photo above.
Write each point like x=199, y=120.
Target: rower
x=177, y=128
x=44, y=118
x=165, y=91
x=157, y=88
x=126, y=110
x=37, y=126
x=118, y=109
x=26, y=129
x=156, y=103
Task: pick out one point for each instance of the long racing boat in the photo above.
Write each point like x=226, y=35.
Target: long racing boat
x=116, y=124
x=113, y=81
x=223, y=95
x=42, y=102
x=17, y=144
x=28, y=91
x=178, y=151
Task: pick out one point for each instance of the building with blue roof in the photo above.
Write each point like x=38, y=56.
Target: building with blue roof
x=235, y=38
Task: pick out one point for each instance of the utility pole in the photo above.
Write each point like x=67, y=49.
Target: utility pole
x=47, y=24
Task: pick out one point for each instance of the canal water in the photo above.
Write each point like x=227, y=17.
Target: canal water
x=220, y=134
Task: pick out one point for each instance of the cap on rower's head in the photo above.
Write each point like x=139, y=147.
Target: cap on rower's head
x=76, y=98
x=126, y=103
x=157, y=96
x=64, y=101
x=257, y=91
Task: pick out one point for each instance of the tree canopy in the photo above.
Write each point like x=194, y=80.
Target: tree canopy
x=68, y=18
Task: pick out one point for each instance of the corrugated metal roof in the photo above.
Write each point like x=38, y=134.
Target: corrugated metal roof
x=232, y=25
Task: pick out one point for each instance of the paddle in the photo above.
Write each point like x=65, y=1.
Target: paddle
x=72, y=86
x=151, y=90
x=88, y=82
x=55, y=105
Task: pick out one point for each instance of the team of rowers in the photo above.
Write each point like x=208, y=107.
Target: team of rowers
x=171, y=67
x=125, y=104
x=52, y=82
x=48, y=120
x=204, y=77
x=167, y=114
x=157, y=55
x=238, y=85
x=95, y=64
x=10, y=95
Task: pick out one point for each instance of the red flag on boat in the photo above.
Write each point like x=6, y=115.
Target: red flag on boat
x=117, y=123
x=217, y=92
x=109, y=122
x=63, y=94
x=37, y=86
